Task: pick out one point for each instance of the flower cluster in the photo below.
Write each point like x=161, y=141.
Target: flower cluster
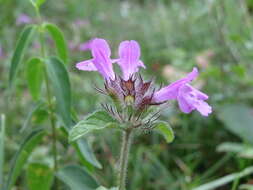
x=130, y=90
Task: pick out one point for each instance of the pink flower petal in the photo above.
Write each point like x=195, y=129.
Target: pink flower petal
x=101, y=61
x=86, y=66
x=184, y=105
x=204, y=108
x=190, y=99
x=129, y=58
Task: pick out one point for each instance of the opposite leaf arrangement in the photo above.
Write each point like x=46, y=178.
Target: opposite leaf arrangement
x=134, y=100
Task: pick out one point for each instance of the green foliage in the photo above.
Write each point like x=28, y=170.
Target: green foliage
x=77, y=178
x=32, y=111
x=95, y=121
x=240, y=149
x=246, y=187
x=224, y=180
x=165, y=129
x=104, y=188
x=19, y=51
x=39, y=176
x=238, y=119
x=61, y=87
x=34, y=76
x=59, y=40
x=26, y=148
x=86, y=150
x=37, y=3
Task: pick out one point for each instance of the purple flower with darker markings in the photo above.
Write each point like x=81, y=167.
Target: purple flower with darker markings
x=188, y=98
x=23, y=19
x=101, y=60
x=131, y=90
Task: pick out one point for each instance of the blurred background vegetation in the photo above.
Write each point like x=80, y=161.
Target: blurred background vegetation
x=214, y=35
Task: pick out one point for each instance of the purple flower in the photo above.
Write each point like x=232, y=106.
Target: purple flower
x=188, y=97
x=129, y=54
x=130, y=89
x=101, y=61
x=129, y=58
x=170, y=92
x=23, y=19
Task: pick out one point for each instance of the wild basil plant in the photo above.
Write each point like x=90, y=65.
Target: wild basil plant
x=135, y=102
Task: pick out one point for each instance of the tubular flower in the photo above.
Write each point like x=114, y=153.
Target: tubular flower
x=131, y=91
x=129, y=58
x=188, y=97
x=101, y=61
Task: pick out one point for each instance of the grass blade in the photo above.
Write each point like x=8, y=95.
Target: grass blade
x=225, y=180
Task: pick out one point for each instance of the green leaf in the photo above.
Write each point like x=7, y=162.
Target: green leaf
x=35, y=108
x=22, y=155
x=85, y=153
x=242, y=150
x=238, y=119
x=18, y=55
x=77, y=178
x=2, y=137
x=61, y=87
x=95, y=121
x=34, y=75
x=39, y=176
x=225, y=180
x=59, y=40
x=165, y=129
x=231, y=147
x=85, y=149
x=37, y=3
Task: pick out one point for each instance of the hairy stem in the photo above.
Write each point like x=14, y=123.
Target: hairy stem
x=126, y=144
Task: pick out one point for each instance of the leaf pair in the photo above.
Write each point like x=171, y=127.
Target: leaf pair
x=22, y=44
x=101, y=119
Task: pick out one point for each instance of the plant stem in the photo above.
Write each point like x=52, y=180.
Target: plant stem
x=51, y=111
x=2, y=138
x=52, y=120
x=126, y=144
